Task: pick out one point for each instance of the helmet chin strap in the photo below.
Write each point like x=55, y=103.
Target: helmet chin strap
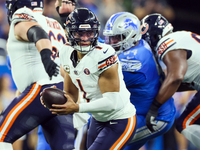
x=83, y=50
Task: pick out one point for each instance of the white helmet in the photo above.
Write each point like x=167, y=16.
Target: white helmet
x=124, y=28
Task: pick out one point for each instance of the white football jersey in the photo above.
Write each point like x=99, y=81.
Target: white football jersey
x=85, y=76
x=26, y=64
x=190, y=42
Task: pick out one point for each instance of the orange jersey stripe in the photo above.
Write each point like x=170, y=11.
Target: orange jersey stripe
x=131, y=122
x=169, y=42
x=193, y=120
x=102, y=66
x=13, y=114
x=105, y=64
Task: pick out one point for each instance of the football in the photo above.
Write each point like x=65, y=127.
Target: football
x=53, y=96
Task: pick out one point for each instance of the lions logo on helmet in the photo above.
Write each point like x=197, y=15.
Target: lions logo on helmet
x=122, y=31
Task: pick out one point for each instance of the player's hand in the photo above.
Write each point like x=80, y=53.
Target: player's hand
x=67, y=6
x=152, y=114
x=68, y=108
x=50, y=66
x=41, y=100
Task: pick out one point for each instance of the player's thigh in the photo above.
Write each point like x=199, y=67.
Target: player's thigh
x=143, y=134
x=23, y=114
x=115, y=134
x=92, y=131
x=190, y=114
x=59, y=132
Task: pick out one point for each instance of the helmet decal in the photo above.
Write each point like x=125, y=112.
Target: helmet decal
x=154, y=27
x=144, y=28
x=122, y=31
x=129, y=23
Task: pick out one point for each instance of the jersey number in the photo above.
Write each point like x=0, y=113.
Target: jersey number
x=81, y=88
x=59, y=38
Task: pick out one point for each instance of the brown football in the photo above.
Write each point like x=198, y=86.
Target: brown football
x=53, y=96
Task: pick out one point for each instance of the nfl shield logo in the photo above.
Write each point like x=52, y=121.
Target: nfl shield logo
x=75, y=72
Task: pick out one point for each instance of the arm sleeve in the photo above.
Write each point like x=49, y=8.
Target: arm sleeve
x=109, y=102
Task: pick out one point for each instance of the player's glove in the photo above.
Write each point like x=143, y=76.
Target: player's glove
x=152, y=114
x=50, y=66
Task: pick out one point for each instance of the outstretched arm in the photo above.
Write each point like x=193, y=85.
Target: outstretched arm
x=176, y=63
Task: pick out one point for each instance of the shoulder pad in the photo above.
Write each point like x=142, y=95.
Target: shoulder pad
x=23, y=14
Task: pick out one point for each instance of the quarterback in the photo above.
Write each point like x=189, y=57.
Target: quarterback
x=93, y=68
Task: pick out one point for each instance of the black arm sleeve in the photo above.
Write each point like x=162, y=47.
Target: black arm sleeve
x=35, y=33
x=63, y=17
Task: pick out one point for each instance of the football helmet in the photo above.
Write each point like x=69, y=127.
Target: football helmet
x=82, y=22
x=122, y=31
x=37, y=5
x=13, y=5
x=154, y=27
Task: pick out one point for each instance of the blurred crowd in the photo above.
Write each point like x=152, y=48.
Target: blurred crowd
x=103, y=9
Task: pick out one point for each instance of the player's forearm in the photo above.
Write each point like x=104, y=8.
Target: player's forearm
x=43, y=44
x=70, y=88
x=167, y=90
x=109, y=102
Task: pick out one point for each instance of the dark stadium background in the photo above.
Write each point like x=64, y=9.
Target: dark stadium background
x=187, y=15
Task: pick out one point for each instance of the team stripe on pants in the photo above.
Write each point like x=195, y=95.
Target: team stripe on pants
x=126, y=135
x=192, y=117
x=15, y=111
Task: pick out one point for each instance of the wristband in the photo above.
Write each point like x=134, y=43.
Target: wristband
x=45, y=53
x=155, y=105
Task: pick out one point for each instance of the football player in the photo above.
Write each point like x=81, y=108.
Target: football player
x=141, y=75
x=94, y=69
x=180, y=53
x=33, y=44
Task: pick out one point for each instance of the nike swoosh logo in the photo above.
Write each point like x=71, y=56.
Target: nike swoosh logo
x=113, y=122
x=105, y=51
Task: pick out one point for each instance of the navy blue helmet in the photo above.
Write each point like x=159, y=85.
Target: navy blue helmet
x=154, y=27
x=35, y=4
x=81, y=21
x=13, y=5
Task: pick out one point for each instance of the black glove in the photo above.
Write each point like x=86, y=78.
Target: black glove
x=50, y=66
x=152, y=114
